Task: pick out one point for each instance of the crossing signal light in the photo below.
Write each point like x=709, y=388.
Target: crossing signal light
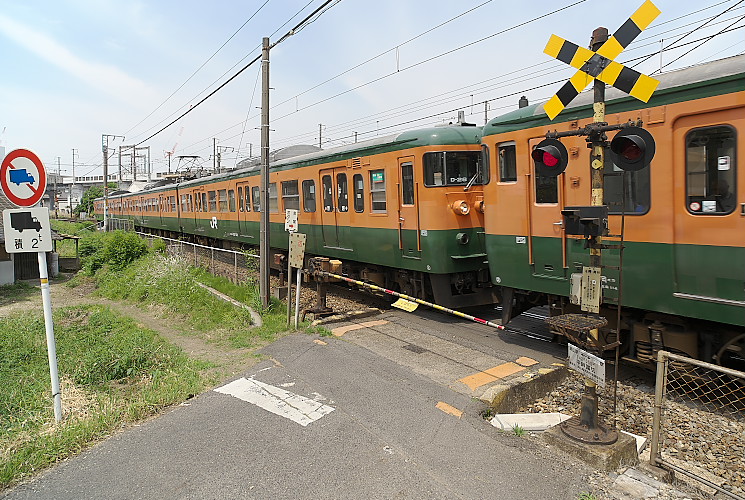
x=550, y=157
x=632, y=149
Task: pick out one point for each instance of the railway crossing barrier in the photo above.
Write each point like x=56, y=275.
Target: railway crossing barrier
x=684, y=385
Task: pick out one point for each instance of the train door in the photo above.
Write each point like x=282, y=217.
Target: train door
x=408, y=212
x=709, y=218
x=244, y=208
x=547, y=241
x=335, y=218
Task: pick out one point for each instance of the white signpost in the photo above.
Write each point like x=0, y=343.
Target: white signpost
x=24, y=180
x=587, y=364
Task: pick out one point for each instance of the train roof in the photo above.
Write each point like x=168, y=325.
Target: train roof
x=728, y=72
x=450, y=135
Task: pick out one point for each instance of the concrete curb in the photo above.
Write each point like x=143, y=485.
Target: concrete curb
x=336, y=318
x=517, y=392
x=255, y=317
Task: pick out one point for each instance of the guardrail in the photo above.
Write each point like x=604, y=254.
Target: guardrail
x=685, y=385
x=234, y=265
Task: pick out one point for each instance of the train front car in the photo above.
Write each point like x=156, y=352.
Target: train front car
x=683, y=286
x=404, y=211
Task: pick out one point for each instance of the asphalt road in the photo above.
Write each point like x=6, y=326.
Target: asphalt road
x=343, y=417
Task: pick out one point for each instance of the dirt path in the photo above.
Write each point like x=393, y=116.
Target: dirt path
x=227, y=361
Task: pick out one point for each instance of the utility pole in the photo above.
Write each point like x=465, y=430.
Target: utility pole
x=72, y=188
x=214, y=155
x=320, y=133
x=220, y=151
x=169, y=153
x=105, y=148
x=264, y=226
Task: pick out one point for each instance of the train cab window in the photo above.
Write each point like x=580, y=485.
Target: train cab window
x=636, y=192
x=454, y=168
x=240, y=199
x=377, y=191
x=231, y=200
x=342, y=193
x=290, y=195
x=507, y=158
x=407, y=183
x=358, y=185
x=309, y=196
x=273, y=198
x=256, y=195
x=223, y=200
x=710, y=170
x=328, y=193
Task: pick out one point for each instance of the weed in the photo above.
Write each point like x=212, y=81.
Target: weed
x=587, y=496
x=519, y=431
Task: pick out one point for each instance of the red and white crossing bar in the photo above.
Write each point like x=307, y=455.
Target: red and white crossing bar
x=413, y=299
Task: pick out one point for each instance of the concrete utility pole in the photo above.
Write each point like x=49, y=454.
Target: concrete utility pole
x=72, y=188
x=105, y=148
x=264, y=226
x=214, y=155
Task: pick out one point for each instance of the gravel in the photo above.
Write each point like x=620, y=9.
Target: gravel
x=692, y=436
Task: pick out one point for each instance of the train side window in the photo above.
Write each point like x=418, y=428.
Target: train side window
x=256, y=195
x=358, y=184
x=273, y=198
x=342, y=193
x=507, y=158
x=223, y=200
x=247, y=199
x=407, y=183
x=191, y=204
x=328, y=194
x=231, y=200
x=637, y=190
x=290, y=195
x=710, y=170
x=172, y=199
x=205, y=207
x=377, y=191
x=240, y=199
x=309, y=196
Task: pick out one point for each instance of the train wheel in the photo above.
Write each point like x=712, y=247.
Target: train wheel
x=732, y=353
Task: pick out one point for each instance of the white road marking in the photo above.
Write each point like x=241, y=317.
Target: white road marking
x=297, y=408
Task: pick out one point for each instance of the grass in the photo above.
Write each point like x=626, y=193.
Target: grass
x=171, y=282
x=112, y=371
x=66, y=248
x=18, y=292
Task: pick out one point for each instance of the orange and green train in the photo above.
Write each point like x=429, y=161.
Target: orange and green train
x=403, y=211
x=683, y=269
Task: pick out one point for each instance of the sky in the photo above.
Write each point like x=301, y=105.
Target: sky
x=76, y=70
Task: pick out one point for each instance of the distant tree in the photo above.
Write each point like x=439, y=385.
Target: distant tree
x=86, y=202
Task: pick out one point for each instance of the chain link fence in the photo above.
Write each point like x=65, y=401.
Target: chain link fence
x=715, y=458
x=237, y=266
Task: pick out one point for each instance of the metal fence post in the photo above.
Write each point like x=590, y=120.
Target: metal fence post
x=235, y=267
x=659, y=391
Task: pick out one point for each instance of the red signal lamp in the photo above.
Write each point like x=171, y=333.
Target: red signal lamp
x=550, y=157
x=632, y=149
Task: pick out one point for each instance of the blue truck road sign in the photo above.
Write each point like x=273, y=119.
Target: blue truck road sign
x=19, y=176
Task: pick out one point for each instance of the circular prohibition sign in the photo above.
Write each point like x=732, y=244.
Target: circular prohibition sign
x=23, y=190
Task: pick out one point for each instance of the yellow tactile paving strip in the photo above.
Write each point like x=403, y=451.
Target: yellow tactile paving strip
x=339, y=331
x=498, y=372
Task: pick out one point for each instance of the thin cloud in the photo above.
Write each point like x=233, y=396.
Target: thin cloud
x=103, y=77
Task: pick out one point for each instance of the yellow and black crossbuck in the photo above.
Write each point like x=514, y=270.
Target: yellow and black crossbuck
x=600, y=65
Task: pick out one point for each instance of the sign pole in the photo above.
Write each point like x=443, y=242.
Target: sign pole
x=46, y=298
x=297, y=298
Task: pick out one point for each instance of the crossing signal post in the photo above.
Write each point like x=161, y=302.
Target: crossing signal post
x=631, y=149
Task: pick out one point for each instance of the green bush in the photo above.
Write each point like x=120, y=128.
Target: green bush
x=158, y=246
x=117, y=249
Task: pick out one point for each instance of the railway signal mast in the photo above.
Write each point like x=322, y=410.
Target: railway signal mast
x=631, y=149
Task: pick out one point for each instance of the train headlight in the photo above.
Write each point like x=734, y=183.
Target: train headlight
x=479, y=205
x=460, y=207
